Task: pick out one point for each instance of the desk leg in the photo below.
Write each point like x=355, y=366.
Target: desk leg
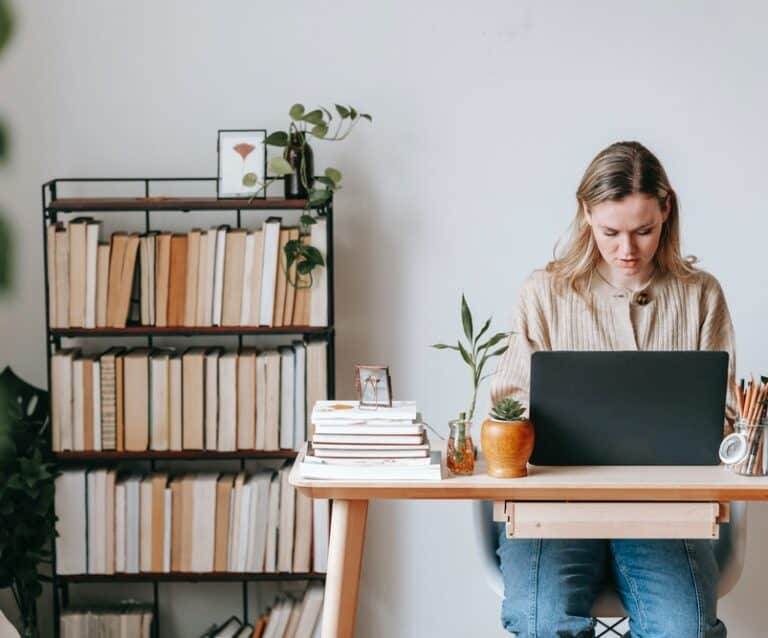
x=345, y=557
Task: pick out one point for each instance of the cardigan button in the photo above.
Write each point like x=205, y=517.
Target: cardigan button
x=641, y=298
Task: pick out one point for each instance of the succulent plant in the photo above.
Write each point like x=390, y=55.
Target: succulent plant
x=507, y=409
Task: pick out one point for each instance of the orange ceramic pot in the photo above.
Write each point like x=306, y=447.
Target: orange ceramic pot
x=507, y=446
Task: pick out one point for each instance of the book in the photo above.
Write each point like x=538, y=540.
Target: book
x=287, y=397
x=273, y=519
x=204, y=275
x=102, y=284
x=123, y=250
x=193, y=398
x=191, y=284
x=175, y=403
x=286, y=524
x=368, y=461
x=348, y=452
x=78, y=403
x=224, y=488
x=162, y=277
x=212, y=397
x=281, y=285
x=247, y=285
x=61, y=394
x=92, y=228
x=136, y=399
x=401, y=439
x=96, y=405
x=369, y=429
x=300, y=395
x=321, y=528
x=269, y=270
x=246, y=399
x=272, y=401
x=259, y=487
x=218, y=273
x=234, y=264
x=108, y=366
x=317, y=374
x=257, y=263
x=302, y=540
x=318, y=296
x=160, y=400
x=203, y=537
x=71, y=550
x=147, y=269
x=311, y=609
x=177, y=281
x=50, y=263
x=227, y=417
x=77, y=270
x=290, y=288
x=335, y=410
x=375, y=472
x=61, y=283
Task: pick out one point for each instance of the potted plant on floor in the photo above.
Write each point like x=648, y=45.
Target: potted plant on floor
x=27, y=520
x=460, y=454
x=507, y=438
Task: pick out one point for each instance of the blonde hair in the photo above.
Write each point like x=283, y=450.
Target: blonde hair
x=622, y=169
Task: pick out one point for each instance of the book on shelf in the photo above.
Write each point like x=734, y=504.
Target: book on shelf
x=128, y=620
x=217, y=277
x=202, y=522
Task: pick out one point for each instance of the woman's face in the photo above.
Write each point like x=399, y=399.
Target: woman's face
x=627, y=232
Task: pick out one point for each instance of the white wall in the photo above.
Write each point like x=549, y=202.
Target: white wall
x=485, y=116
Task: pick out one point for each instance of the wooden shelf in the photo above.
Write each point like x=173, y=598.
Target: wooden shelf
x=151, y=455
x=184, y=331
x=112, y=204
x=172, y=577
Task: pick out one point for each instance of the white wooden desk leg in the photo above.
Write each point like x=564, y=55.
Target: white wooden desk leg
x=345, y=557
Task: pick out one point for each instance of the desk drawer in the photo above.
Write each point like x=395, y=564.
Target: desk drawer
x=610, y=520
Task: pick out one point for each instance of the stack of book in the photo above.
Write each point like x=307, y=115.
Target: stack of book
x=199, y=399
x=193, y=523
x=288, y=618
x=125, y=621
x=352, y=442
x=218, y=277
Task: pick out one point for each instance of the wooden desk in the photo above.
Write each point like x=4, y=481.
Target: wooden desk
x=559, y=484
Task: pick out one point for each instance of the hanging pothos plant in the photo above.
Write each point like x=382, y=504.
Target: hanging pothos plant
x=305, y=124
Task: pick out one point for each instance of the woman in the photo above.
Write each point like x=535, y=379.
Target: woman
x=620, y=283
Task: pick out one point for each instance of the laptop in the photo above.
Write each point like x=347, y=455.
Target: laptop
x=628, y=408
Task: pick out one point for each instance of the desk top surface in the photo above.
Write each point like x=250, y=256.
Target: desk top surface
x=548, y=483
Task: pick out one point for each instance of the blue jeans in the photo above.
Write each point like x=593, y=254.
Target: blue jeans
x=668, y=587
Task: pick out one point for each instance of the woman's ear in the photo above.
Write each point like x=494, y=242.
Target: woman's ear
x=667, y=206
x=585, y=213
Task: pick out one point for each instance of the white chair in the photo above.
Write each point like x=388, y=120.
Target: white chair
x=729, y=550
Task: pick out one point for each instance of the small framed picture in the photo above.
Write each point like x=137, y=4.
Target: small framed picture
x=242, y=164
x=373, y=386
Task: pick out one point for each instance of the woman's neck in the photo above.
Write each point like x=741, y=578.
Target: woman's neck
x=618, y=279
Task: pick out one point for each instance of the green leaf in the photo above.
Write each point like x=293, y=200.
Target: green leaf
x=280, y=166
x=764, y=379
x=278, y=138
x=466, y=319
x=304, y=268
x=327, y=113
x=313, y=117
x=482, y=331
x=443, y=346
x=250, y=180
x=352, y=113
x=343, y=111
x=496, y=353
x=493, y=340
x=3, y=142
x=313, y=255
x=6, y=256
x=307, y=220
x=367, y=117
x=325, y=181
x=319, y=197
x=6, y=23
x=319, y=130
x=465, y=355
x=334, y=175
x=296, y=112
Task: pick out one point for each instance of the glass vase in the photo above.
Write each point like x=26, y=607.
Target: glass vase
x=460, y=452
x=299, y=150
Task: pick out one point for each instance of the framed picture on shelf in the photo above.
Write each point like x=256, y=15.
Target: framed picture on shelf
x=242, y=163
x=373, y=386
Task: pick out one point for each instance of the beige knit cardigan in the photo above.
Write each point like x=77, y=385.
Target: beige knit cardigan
x=677, y=315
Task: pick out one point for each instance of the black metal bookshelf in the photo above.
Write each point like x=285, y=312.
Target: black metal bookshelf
x=54, y=205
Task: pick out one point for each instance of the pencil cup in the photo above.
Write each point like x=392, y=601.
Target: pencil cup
x=746, y=450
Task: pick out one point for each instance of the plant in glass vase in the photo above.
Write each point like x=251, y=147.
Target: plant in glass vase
x=460, y=454
x=295, y=166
